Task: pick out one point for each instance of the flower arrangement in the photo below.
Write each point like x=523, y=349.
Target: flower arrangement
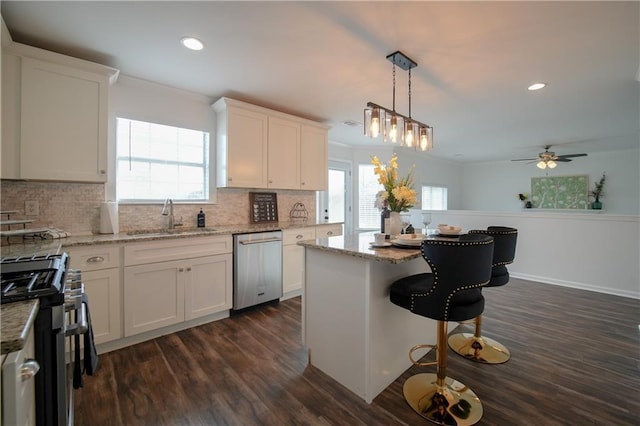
x=597, y=193
x=398, y=193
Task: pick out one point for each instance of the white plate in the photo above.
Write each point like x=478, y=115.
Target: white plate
x=447, y=232
x=374, y=245
x=410, y=238
x=407, y=243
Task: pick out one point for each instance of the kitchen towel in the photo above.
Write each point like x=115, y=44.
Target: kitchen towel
x=109, y=218
x=90, y=352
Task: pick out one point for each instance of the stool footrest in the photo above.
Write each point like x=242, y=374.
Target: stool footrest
x=418, y=363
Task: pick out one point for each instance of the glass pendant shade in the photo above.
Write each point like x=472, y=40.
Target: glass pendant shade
x=393, y=129
x=426, y=138
x=552, y=164
x=375, y=122
x=542, y=165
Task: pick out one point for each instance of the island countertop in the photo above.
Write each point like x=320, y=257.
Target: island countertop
x=358, y=245
x=17, y=319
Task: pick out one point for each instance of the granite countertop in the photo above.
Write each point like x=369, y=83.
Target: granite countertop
x=33, y=247
x=17, y=319
x=358, y=245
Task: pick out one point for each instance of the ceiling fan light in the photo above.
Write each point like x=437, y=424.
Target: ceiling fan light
x=552, y=164
x=536, y=86
x=542, y=165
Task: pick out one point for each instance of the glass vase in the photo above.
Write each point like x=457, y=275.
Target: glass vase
x=395, y=224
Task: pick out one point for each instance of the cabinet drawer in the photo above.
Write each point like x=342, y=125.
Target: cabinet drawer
x=324, y=231
x=175, y=249
x=95, y=258
x=292, y=236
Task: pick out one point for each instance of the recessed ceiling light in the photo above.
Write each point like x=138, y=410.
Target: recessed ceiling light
x=192, y=43
x=536, y=86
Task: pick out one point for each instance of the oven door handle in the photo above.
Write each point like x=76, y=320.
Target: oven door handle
x=81, y=326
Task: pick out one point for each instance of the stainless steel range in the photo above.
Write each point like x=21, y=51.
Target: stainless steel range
x=62, y=313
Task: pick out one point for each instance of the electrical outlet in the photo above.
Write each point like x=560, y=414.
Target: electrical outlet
x=31, y=208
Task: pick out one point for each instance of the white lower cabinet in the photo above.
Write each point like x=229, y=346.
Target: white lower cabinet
x=293, y=254
x=18, y=385
x=293, y=258
x=100, y=267
x=176, y=288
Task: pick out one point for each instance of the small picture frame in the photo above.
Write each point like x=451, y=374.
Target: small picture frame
x=263, y=207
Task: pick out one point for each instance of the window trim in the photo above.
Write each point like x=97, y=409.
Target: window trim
x=434, y=185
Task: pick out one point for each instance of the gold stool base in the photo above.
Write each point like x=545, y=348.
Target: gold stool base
x=453, y=404
x=479, y=349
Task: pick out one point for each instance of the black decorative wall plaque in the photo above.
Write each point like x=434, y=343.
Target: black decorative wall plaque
x=264, y=207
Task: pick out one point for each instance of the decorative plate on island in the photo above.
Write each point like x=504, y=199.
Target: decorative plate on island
x=374, y=245
x=407, y=243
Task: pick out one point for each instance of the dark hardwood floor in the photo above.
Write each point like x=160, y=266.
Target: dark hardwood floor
x=575, y=360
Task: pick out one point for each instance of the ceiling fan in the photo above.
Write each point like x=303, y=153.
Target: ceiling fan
x=550, y=159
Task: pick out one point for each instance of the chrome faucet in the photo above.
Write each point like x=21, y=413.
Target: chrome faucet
x=169, y=212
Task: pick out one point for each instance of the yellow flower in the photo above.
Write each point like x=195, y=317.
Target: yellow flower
x=398, y=192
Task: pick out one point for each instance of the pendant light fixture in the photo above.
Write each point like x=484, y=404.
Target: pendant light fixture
x=393, y=126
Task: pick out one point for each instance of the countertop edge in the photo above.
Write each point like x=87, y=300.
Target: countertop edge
x=17, y=320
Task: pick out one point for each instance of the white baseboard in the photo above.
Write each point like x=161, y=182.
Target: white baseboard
x=572, y=284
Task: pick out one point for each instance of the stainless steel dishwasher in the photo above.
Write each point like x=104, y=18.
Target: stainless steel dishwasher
x=257, y=268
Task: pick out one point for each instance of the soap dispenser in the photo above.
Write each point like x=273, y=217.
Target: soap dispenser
x=201, y=219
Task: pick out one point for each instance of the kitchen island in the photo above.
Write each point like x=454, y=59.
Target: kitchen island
x=353, y=332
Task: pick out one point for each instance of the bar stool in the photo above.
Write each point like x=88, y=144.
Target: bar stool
x=451, y=292
x=477, y=347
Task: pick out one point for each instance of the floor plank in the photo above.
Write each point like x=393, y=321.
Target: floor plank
x=575, y=359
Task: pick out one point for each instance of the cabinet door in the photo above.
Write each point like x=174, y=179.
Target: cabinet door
x=284, y=153
x=63, y=130
x=103, y=289
x=246, y=148
x=313, y=158
x=293, y=268
x=153, y=296
x=208, y=286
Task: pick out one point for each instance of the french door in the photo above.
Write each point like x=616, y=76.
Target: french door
x=334, y=204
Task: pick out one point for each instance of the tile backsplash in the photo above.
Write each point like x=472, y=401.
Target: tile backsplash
x=75, y=207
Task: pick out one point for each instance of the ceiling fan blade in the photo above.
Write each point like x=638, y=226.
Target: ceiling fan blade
x=572, y=155
x=562, y=160
x=525, y=159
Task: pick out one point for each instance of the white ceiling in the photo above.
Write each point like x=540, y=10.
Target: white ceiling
x=325, y=60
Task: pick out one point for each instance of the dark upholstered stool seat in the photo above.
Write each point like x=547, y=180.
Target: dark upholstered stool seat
x=451, y=292
x=475, y=346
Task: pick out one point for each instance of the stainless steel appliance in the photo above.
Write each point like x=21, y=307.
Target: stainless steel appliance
x=62, y=313
x=257, y=268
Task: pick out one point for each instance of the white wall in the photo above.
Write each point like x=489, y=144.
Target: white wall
x=494, y=186
x=587, y=250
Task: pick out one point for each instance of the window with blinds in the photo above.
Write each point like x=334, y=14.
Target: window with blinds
x=156, y=161
x=434, y=197
x=368, y=187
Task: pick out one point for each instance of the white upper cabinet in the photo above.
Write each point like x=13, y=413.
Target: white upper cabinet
x=241, y=147
x=57, y=120
x=313, y=158
x=262, y=148
x=283, y=154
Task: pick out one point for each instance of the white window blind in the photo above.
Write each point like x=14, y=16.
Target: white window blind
x=434, y=197
x=156, y=161
x=368, y=187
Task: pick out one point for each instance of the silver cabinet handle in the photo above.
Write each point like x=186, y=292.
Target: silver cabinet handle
x=330, y=233
x=180, y=269
x=95, y=259
x=29, y=368
x=188, y=269
x=299, y=236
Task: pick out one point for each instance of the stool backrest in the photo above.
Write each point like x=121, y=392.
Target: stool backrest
x=504, y=251
x=459, y=265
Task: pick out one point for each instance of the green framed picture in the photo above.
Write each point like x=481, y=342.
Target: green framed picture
x=560, y=192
